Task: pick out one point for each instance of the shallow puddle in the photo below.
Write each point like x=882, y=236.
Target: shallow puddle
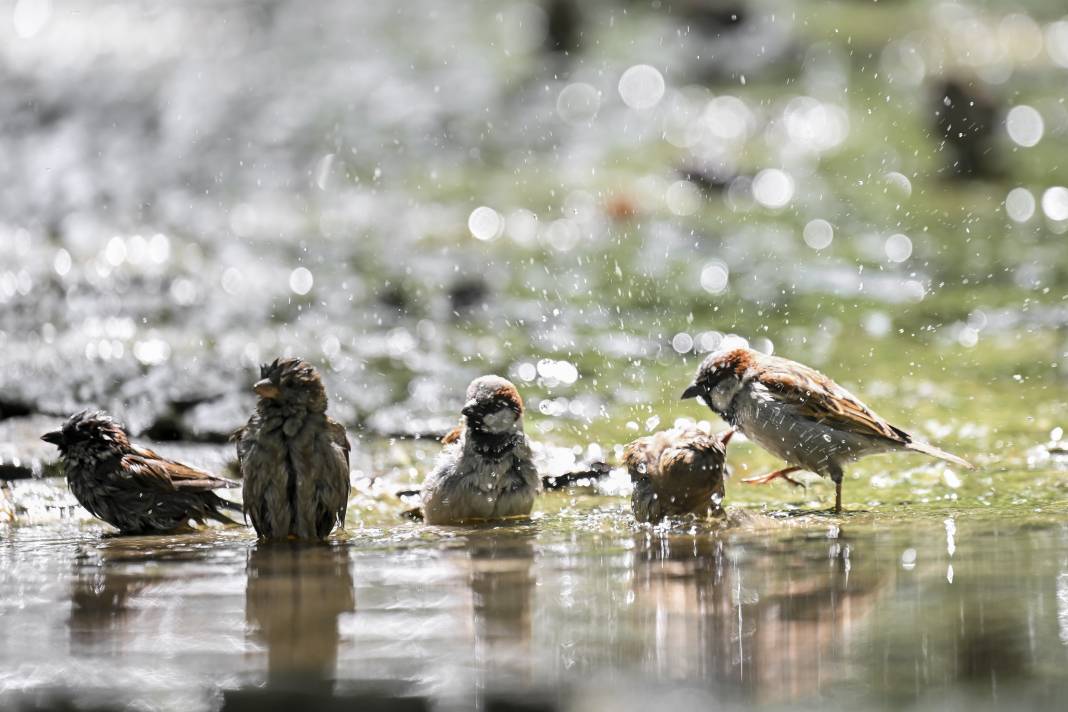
x=578, y=607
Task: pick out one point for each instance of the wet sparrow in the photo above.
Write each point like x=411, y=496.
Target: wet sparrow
x=679, y=471
x=485, y=471
x=293, y=457
x=798, y=414
x=130, y=487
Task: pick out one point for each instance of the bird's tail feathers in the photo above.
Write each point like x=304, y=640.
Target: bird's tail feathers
x=931, y=450
x=220, y=503
x=227, y=504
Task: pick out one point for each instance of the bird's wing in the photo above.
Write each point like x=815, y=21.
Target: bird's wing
x=640, y=457
x=155, y=472
x=814, y=396
x=453, y=435
x=334, y=500
x=695, y=453
x=242, y=439
x=340, y=437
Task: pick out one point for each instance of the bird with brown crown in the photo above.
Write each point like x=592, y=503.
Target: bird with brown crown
x=294, y=458
x=485, y=471
x=799, y=415
x=131, y=487
x=677, y=472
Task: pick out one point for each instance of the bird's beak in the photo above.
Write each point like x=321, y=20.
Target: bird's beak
x=266, y=389
x=55, y=437
x=692, y=391
x=469, y=407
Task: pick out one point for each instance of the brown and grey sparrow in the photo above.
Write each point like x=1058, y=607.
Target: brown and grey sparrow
x=293, y=457
x=675, y=472
x=799, y=415
x=130, y=487
x=485, y=471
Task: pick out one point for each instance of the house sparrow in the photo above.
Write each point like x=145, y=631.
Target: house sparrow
x=485, y=471
x=130, y=487
x=293, y=457
x=674, y=472
x=799, y=415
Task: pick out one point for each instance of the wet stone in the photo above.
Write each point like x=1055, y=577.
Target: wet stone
x=22, y=452
x=214, y=421
x=398, y=421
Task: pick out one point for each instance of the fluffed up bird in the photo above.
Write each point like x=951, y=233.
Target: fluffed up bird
x=293, y=457
x=676, y=472
x=130, y=487
x=799, y=415
x=485, y=471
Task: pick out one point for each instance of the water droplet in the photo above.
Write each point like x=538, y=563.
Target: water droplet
x=898, y=247
x=682, y=343
x=899, y=182
x=715, y=277
x=1020, y=205
x=233, y=280
x=522, y=226
x=1057, y=42
x=62, y=262
x=1055, y=203
x=641, y=87
x=30, y=16
x=818, y=234
x=485, y=223
x=301, y=280
x=1025, y=125
x=578, y=103
x=773, y=188
x=968, y=337
x=115, y=252
x=683, y=198
x=527, y=371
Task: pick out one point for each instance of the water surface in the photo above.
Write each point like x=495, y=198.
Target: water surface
x=577, y=606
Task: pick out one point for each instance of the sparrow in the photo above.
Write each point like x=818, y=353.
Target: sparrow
x=674, y=472
x=486, y=471
x=293, y=457
x=130, y=487
x=799, y=415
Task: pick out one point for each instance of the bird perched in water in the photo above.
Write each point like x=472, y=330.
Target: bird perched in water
x=130, y=487
x=293, y=457
x=486, y=471
x=798, y=414
x=674, y=472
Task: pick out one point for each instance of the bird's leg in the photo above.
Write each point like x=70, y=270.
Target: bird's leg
x=836, y=477
x=726, y=435
x=783, y=473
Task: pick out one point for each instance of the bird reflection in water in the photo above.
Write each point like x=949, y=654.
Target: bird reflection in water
x=117, y=577
x=294, y=598
x=100, y=599
x=730, y=611
x=502, y=583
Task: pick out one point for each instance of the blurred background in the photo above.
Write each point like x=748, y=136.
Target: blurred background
x=584, y=197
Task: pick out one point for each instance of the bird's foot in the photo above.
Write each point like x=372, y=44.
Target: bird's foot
x=783, y=473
